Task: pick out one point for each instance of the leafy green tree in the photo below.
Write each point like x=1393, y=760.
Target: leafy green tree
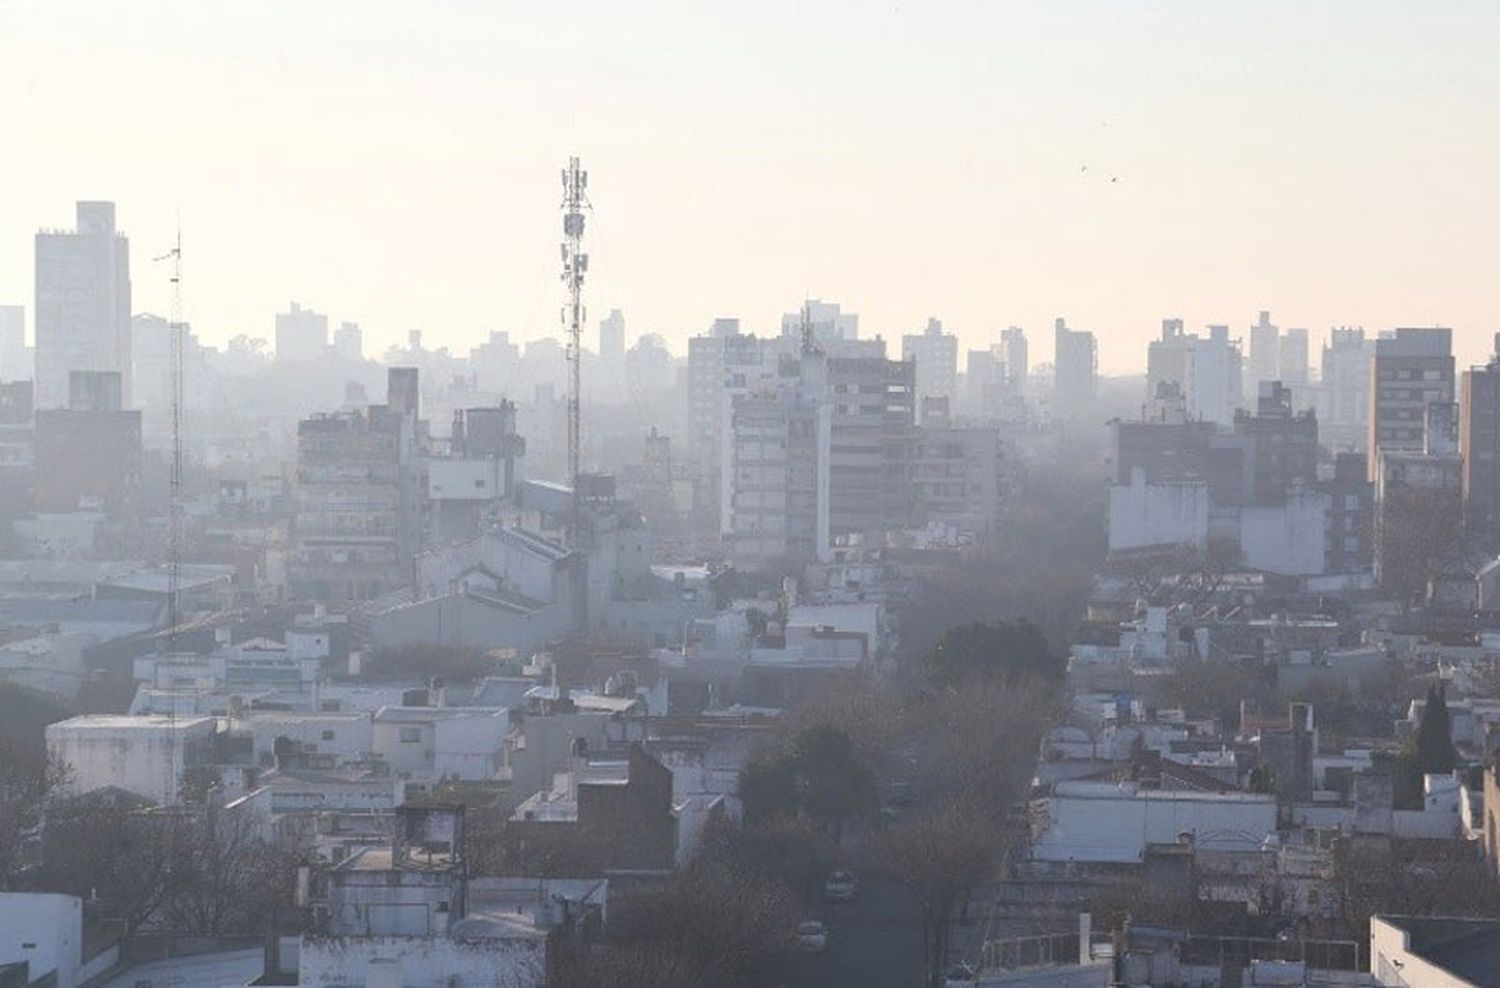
x=768, y=788
x=833, y=783
x=1008, y=650
x=1434, y=747
x=820, y=775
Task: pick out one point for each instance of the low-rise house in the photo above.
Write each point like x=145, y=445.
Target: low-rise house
x=145, y=755
x=408, y=914
x=428, y=744
x=623, y=809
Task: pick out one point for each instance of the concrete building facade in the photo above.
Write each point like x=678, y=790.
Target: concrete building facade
x=82, y=304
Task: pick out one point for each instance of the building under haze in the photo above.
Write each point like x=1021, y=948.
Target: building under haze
x=349, y=342
x=1479, y=443
x=873, y=430
x=826, y=320
x=774, y=480
x=1344, y=389
x=88, y=455
x=1292, y=365
x=301, y=334
x=1013, y=346
x=1411, y=369
x=356, y=520
x=82, y=304
x=935, y=354
x=1206, y=369
x=1075, y=371
x=1265, y=353
x=721, y=364
x=15, y=357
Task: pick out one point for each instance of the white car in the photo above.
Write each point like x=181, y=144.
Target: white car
x=839, y=887
x=812, y=937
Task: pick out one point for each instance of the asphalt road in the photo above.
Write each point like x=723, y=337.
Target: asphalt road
x=875, y=941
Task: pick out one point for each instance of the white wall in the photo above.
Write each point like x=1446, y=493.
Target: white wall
x=1288, y=539
x=143, y=755
x=1394, y=964
x=44, y=930
x=352, y=734
x=424, y=962
x=1142, y=514
x=1101, y=822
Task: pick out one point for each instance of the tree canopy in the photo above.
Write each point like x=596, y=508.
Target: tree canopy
x=1008, y=650
x=819, y=775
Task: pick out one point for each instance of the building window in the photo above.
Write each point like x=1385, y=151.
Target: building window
x=327, y=735
x=411, y=735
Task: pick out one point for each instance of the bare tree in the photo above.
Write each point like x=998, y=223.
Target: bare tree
x=709, y=926
x=102, y=846
x=224, y=877
x=1419, y=538
x=26, y=784
x=938, y=857
x=980, y=741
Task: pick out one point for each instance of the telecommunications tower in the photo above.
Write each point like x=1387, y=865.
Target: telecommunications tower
x=575, y=264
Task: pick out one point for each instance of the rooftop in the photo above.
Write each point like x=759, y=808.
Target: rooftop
x=1466, y=948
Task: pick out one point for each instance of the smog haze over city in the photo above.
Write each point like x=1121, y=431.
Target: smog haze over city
x=906, y=495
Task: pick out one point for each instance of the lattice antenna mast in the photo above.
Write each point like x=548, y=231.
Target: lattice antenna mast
x=575, y=264
x=174, y=535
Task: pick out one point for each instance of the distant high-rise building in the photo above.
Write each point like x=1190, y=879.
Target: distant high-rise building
x=720, y=365
x=774, y=473
x=349, y=342
x=15, y=359
x=88, y=455
x=935, y=354
x=612, y=337
x=1075, y=371
x=301, y=334
x=356, y=518
x=1344, y=405
x=1292, y=365
x=826, y=320
x=1479, y=443
x=874, y=418
x=1013, y=344
x=17, y=449
x=1265, y=353
x=82, y=303
x=1283, y=444
x=1412, y=368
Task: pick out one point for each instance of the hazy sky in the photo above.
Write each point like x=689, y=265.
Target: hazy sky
x=395, y=163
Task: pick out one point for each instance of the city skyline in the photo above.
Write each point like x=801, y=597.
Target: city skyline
x=1003, y=167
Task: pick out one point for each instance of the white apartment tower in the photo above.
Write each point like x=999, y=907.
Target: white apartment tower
x=936, y=356
x=82, y=304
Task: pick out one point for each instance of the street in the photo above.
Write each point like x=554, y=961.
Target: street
x=874, y=941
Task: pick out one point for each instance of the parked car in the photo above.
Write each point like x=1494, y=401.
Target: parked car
x=812, y=937
x=839, y=887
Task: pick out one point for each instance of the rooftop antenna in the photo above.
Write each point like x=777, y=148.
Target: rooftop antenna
x=575, y=264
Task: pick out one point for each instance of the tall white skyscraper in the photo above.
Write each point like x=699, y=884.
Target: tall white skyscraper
x=82, y=304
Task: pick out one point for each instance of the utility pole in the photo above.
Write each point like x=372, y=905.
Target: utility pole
x=575, y=264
